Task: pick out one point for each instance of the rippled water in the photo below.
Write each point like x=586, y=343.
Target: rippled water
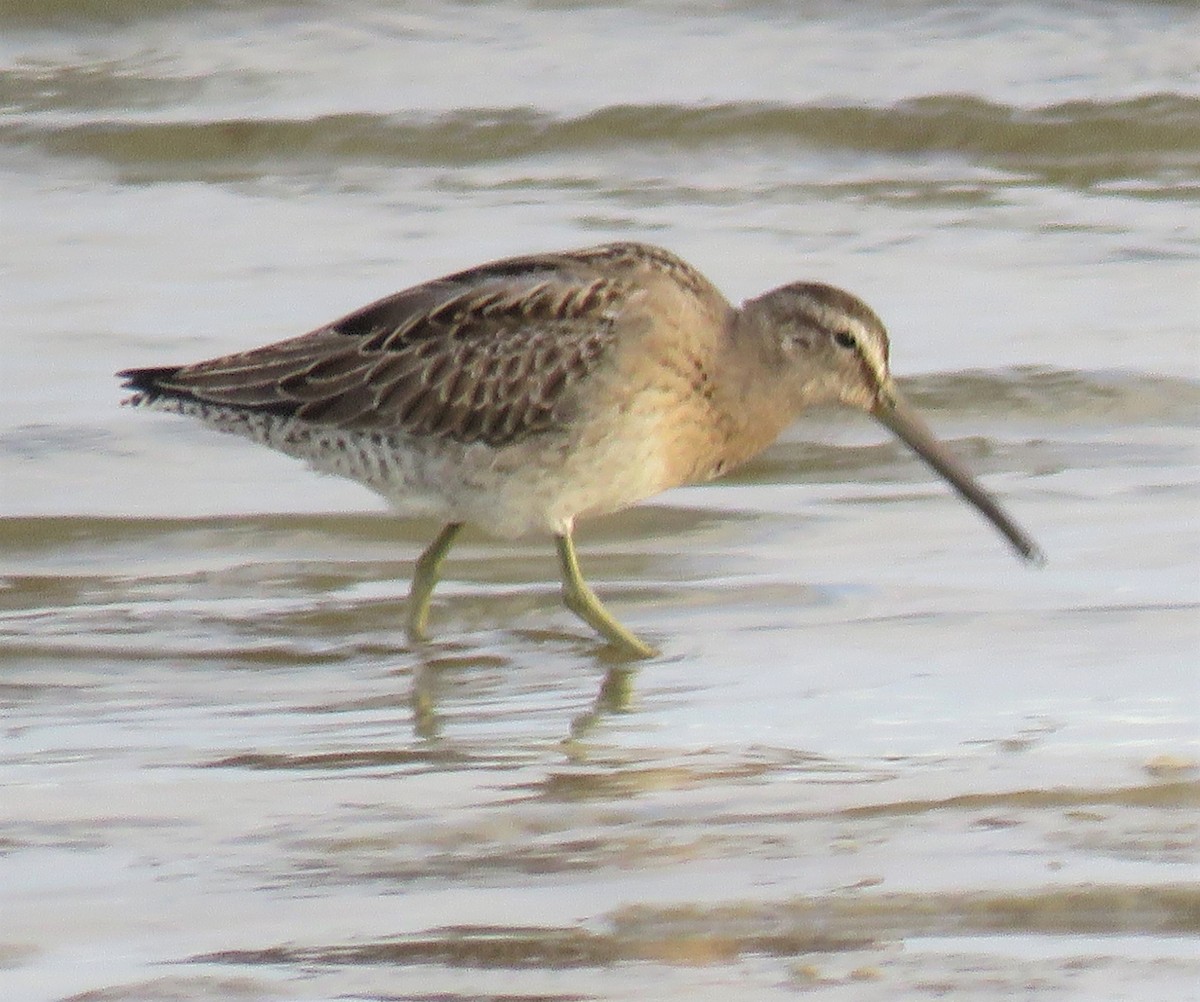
x=877, y=759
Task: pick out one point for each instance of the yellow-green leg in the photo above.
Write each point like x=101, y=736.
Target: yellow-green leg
x=425, y=579
x=582, y=601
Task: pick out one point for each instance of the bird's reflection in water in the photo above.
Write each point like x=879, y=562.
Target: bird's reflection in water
x=426, y=724
x=614, y=695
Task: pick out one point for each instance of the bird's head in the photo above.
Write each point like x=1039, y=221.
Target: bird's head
x=828, y=347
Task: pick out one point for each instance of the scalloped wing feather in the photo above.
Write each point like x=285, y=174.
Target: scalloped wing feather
x=491, y=354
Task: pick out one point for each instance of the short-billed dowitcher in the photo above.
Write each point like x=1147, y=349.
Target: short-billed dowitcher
x=524, y=394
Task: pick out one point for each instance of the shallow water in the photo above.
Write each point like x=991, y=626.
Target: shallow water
x=877, y=758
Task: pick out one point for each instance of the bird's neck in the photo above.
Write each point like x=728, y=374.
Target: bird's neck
x=739, y=407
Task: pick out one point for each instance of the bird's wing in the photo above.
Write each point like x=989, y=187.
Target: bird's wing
x=490, y=354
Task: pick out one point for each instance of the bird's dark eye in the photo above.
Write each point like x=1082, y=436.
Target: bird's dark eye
x=844, y=339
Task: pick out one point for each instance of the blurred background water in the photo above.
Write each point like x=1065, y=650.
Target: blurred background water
x=877, y=759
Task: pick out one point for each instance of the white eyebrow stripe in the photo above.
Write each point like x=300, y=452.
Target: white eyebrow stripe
x=872, y=353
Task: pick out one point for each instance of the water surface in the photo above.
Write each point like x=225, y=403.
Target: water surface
x=877, y=758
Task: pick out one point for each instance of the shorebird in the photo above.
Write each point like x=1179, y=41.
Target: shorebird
x=524, y=394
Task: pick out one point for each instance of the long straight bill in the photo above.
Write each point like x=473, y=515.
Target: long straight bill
x=894, y=411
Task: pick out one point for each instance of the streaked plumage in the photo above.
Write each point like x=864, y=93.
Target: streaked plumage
x=524, y=393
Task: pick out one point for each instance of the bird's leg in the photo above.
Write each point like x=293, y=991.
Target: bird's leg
x=425, y=579
x=582, y=601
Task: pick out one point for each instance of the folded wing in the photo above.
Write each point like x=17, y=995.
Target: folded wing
x=490, y=354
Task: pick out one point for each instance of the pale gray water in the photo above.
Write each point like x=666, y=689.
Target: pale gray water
x=878, y=758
